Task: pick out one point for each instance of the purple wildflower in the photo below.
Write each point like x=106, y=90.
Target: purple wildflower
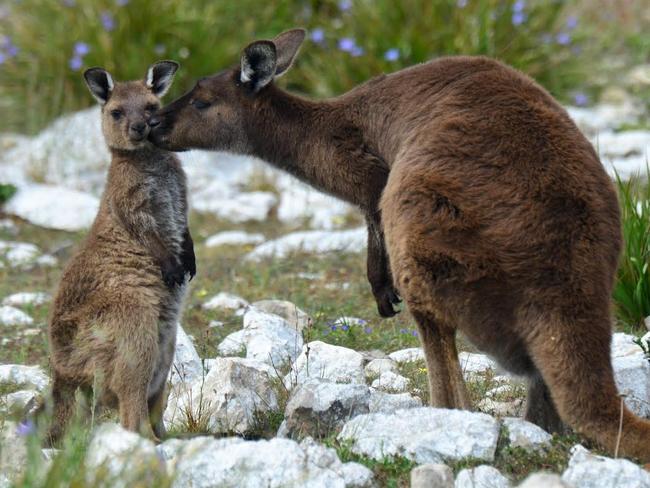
x=563, y=38
x=519, y=18
x=121, y=3
x=357, y=51
x=75, y=63
x=69, y=3
x=3, y=58
x=347, y=44
x=403, y=331
x=345, y=327
x=580, y=99
x=81, y=49
x=12, y=51
x=318, y=35
x=108, y=21
x=25, y=428
x=414, y=333
x=333, y=327
x=345, y=5
x=368, y=330
x=572, y=22
x=519, y=6
x=461, y=3
x=392, y=54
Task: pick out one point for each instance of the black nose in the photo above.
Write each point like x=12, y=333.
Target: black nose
x=154, y=121
x=138, y=127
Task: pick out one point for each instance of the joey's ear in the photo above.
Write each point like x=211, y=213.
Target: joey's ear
x=258, y=64
x=100, y=83
x=160, y=76
x=287, y=45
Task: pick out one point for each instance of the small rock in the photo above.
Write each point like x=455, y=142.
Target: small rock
x=356, y=475
x=409, y=355
x=252, y=206
x=8, y=225
x=391, y=382
x=318, y=408
x=228, y=400
x=475, y=364
x=287, y=310
x=381, y=402
x=226, y=301
x=27, y=298
x=233, y=344
x=19, y=254
x=187, y=366
x=313, y=242
x=215, y=324
x=587, y=470
x=13, y=451
x=349, y=322
x=378, y=366
x=424, y=435
x=123, y=456
x=320, y=360
x=481, y=477
x=11, y=316
x=19, y=403
x=526, y=435
x=632, y=373
x=234, y=238
x=54, y=207
x=30, y=377
x=511, y=408
x=543, y=480
x=432, y=476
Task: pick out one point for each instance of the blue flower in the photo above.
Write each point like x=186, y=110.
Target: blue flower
x=318, y=35
x=345, y=5
x=3, y=58
x=414, y=333
x=75, y=63
x=519, y=18
x=25, y=428
x=69, y=3
x=403, y=331
x=368, y=330
x=461, y=3
x=12, y=51
x=580, y=99
x=519, y=6
x=357, y=51
x=108, y=22
x=333, y=327
x=563, y=38
x=392, y=54
x=572, y=22
x=81, y=49
x=345, y=327
x=347, y=44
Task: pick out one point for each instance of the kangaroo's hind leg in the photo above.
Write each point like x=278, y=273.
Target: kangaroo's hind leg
x=63, y=407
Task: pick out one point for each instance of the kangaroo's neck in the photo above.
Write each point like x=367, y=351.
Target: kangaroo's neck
x=324, y=143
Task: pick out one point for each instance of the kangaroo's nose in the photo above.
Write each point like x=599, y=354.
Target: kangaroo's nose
x=154, y=121
x=138, y=127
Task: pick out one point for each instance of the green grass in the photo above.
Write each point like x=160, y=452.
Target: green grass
x=39, y=83
x=6, y=192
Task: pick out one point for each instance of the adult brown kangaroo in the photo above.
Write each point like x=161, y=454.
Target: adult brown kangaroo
x=498, y=217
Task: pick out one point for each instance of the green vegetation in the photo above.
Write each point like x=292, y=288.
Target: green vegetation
x=6, y=192
x=48, y=43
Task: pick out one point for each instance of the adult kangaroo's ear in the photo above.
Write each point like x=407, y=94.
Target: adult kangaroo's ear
x=160, y=76
x=100, y=83
x=287, y=45
x=258, y=64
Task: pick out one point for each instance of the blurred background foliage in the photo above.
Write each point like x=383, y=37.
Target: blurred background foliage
x=572, y=48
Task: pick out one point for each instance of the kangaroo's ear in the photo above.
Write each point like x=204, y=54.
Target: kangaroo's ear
x=258, y=64
x=100, y=83
x=160, y=76
x=287, y=45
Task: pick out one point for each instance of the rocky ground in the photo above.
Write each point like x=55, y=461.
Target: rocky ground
x=264, y=392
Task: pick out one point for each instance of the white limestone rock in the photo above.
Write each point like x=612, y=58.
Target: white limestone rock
x=588, y=470
x=187, y=366
x=632, y=373
x=233, y=344
x=432, y=476
x=391, y=382
x=252, y=206
x=27, y=298
x=19, y=403
x=54, y=207
x=543, y=480
x=481, y=477
x=28, y=377
x=234, y=238
x=424, y=435
x=11, y=316
x=19, y=254
x=378, y=366
x=312, y=241
x=409, y=355
x=320, y=360
x=226, y=301
x=318, y=409
x=526, y=435
x=382, y=402
x=229, y=398
x=473, y=364
x=297, y=318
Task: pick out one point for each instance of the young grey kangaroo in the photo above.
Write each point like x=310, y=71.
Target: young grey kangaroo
x=113, y=324
x=499, y=219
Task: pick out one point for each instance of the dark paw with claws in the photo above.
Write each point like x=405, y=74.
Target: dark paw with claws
x=173, y=272
x=188, y=260
x=386, y=298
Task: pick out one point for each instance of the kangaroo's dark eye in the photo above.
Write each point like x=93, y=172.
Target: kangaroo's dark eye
x=151, y=108
x=116, y=114
x=200, y=104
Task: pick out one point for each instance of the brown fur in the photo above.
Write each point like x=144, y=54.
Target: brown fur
x=499, y=219
x=113, y=323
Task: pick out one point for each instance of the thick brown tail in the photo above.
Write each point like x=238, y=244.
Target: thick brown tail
x=63, y=407
x=574, y=360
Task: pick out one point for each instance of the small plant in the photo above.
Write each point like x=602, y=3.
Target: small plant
x=6, y=192
x=632, y=288
x=644, y=347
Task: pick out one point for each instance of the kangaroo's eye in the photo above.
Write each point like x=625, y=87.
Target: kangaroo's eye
x=200, y=104
x=151, y=108
x=116, y=114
